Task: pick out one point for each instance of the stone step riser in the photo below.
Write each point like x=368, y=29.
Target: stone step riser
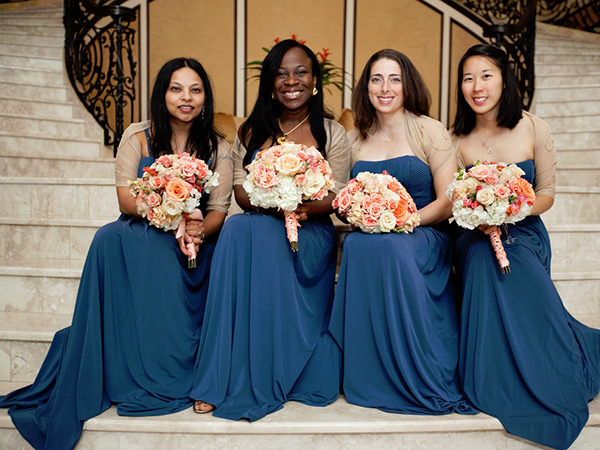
x=11, y=166
x=32, y=92
x=564, y=79
x=31, y=62
x=578, y=140
x=576, y=157
x=32, y=28
x=35, y=109
x=577, y=208
x=549, y=94
x=40, y=147
x=32, y=39
x=38, y=294
x=566, y=58
x=576, y=68
x=582, y=122
x=40, y=201
x=588, y=177
x=31, y=50
x=41, y=78
x=33, y=127
x=567, y=108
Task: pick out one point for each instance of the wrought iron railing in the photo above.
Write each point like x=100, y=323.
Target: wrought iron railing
x=100, y=62
x=580, y=14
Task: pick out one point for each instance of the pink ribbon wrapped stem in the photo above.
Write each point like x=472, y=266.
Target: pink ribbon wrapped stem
x=499, y=249
x=180, y=235
x=291, y=228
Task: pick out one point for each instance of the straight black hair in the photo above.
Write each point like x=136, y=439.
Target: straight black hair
x=510, y=110
x=203, y=138
x=262, y=124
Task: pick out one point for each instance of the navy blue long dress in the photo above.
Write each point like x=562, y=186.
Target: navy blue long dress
x=523, y=358
x=394, y=311
x=133, y=339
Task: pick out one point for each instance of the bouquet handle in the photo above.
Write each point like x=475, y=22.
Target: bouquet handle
x=499, y=249
x=180, y=235
x=291, y=228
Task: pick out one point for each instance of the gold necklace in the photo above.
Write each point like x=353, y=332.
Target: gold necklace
x=283, y=139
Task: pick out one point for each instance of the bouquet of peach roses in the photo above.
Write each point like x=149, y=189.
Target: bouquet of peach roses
x=170, y=187
x=490, y=194
x=377, y=203
x=285, y=175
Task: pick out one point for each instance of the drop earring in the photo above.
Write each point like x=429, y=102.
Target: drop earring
x=315, y=91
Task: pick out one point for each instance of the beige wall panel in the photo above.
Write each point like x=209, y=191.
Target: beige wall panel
x=200, y=29
x=461, y=40
x=320, y=23
x=408, y=26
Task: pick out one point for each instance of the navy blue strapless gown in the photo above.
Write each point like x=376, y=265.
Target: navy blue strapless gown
x=132, y=341
x=394, y=311
x=523, y=358
x=265, y=338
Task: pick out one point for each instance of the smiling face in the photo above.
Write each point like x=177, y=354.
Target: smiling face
x=294, y=81
x=482, y=85
x=185, y=95
x=385, y=86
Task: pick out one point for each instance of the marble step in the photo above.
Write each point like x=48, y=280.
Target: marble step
x=576, y=157
x=572, y=243
x=12, y=144
x=575, y=139
x=576, y=67
x=47, y=51
x=30, y=61
x=32, y=27
x=31, y=39
x=569, y=107
x=28, y=20
x=578, y=175
x=567, y=92
x=58, y=198
x=574, y=121
x=566, y=57
x=42, y=77
x=39, y=285
x=34, y=91
x=69, y=129
x=42, y=166
x=565, y=78
x=35, y=108
x=574, y=205
x=337, y=426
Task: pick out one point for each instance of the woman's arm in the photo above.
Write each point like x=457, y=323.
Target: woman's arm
x=441, y=208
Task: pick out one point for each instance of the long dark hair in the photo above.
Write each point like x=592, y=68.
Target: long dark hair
x=262, y=124
x=510, y=110
x=417, y=98
x=203, y=137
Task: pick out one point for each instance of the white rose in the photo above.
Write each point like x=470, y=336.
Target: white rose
x=314, y=183
x=486, y=196
x=386, y=221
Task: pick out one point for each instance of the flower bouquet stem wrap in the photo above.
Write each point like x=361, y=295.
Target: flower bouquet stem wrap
x=377, y=203
x=180, y=236
x=283, y=176
x=170, y=187
x=490, y=194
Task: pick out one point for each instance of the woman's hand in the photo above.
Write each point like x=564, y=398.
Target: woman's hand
x=488, y=229
x=194, y=233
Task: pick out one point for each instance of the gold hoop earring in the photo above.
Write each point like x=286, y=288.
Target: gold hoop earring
x=315, y=91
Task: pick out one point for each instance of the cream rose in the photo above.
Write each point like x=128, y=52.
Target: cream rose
x=471, y=184
x=486, y=196
x=288, y=164
x=387, y=221
x=314, y=182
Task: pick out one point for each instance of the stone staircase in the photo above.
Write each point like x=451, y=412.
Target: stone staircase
x=58, y=188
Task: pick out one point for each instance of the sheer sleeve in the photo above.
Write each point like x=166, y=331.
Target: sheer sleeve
x=430, y=142
x=544, y=157
x=337, y=153
x=129, y=155
x=220, y=197
x=239, y=151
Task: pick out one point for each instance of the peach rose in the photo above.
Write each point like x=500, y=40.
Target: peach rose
x=401, y=213
x=480, y=172
x=188, y=169
x=164, y=160
x=375, y=209
x=288, y=164
x=153, y=199
x=300, y=179
x=268, y=179
x=501, y=191
x=177, y=189
x=525, y=188
x=157, y=182
x=368, y=221
x=491, y=179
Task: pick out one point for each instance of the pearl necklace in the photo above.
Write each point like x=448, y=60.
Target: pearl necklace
x=283, y=139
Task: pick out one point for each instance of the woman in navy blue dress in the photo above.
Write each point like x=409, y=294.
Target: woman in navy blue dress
x=394, y=311
x=265, y=339
x=139, y=310
x=523, y=358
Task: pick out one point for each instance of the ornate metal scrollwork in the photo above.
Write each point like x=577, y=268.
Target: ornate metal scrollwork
x=99, y=60
x=579, y=14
